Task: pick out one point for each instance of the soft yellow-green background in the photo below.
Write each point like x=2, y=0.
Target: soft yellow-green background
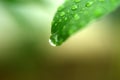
x=25, y=53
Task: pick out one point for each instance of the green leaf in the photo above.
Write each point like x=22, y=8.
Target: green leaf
x=25, y=1
x=74, y=15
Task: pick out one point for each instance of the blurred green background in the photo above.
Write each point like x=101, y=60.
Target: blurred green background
x=25, y=53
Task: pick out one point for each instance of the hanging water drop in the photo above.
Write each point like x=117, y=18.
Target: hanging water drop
x=51, y=43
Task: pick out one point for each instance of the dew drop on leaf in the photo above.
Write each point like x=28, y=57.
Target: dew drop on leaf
x=98, y=12
x=101, y=0
x=74, y=7
x=88, y=4
x=65, y=18
x=76, y=16
x=55, y=24
x=62, y=14
x=60, y=20
x=68, y=11
x=72, y=30
x=77, y=1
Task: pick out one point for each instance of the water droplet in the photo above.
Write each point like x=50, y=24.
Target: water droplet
x=56, y=24
x=74, y=28
x=51, y=43
x=88, y=4
x=98, y=12
x=60, y=20
x=74, y=7
x=64, y=27
x=66, y=18
x=56, y=39
x=101, y=0
x=68, y=11
x=62, y=14
x=76, y=17
x=77, y=1
x=82, y=9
